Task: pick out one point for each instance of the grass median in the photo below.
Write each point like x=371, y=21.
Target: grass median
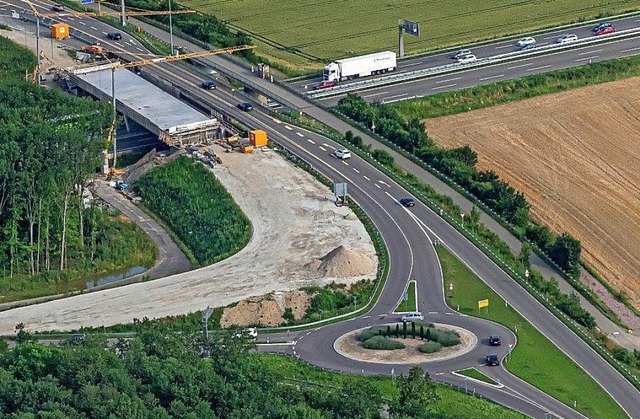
x=534, y=359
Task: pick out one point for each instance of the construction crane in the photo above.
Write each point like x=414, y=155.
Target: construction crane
x=151, y=61
x=100, y=12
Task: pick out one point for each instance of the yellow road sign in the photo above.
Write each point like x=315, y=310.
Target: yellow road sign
x=483, y=303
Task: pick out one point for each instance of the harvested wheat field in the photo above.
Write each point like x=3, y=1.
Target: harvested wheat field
x=576, y=157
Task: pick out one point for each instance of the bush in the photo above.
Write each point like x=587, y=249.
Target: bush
x=383, y=343
x=373, y=331
x=444, y=337
x=430, y=347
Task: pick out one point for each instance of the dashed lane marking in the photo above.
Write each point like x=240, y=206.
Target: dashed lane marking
x=311, y=141
x=356, y=170
x=322, y=148
x=288, y=127
x=366, y=178
x=299, y=134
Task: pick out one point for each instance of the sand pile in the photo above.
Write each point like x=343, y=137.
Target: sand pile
x=266, y=310
x=344, y=263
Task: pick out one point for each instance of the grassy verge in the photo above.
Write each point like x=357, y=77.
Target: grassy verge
x=409, y=304
x=549, y=376
x=454, y=402
x=474, y=373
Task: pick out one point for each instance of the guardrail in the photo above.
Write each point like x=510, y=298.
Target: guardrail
x=480, y=62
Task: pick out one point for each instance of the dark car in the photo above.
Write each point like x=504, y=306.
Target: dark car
x=492, y=360
x=408, y=201
x=208, y=84
x=324, y=85
x=494, y=340
x=527, y=46
x=57, y=8
x=245, y=106
x=114, y=35
x=604, y=31
x=601, y=26
x=76, y=338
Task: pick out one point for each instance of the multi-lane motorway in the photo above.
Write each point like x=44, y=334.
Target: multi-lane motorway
x=409, y=236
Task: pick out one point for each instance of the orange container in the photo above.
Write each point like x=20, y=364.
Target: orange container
x=258, y=138
x=246, y=149
x=59, y=31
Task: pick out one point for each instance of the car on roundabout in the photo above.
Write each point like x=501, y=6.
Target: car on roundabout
x=412, y=317
x=493, y=360
x=494, y=340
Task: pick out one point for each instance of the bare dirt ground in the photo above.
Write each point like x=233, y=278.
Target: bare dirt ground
x=349, y=346
x=576, y=157
x=295, y=224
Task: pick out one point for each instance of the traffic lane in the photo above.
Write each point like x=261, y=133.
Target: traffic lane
x=536, y=314
x=498, y=72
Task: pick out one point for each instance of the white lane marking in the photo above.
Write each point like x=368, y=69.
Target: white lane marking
x=631, y=49
x=589, y=52
x=444, y=87
x=432, y=312
x=447, y=80
x=519, y=66
x=94, y=28
x=299, y=134
x=505, y=46
x=288, y=127
x=322, y=148
x=376, y=94
x=328, y=146
x=345, y=163
x=366, y=177
x=70, y=18
x=384, y=183
x=492, y=77
x=277, y=121
x=356, y=170
x=391, y=97
x=538, y=68
x=586, y=58
x=82, y=23
x=378, y=186
x=551, y=37
x=104, y=33
x=139, y=49
x=132, y=41
x=311, y=141
x=411, y=64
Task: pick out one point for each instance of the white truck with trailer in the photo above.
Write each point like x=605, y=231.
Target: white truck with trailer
x=365, y=65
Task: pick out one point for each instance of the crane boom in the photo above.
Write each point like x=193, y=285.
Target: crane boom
x=171, y=58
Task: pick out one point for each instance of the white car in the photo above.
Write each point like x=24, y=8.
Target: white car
x=526, y=41
x=412, y=317
x=343, y=154
x=469, y=58
x=564, y=39
x=460, y=53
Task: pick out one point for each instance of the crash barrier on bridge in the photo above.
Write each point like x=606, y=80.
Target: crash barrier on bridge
x=480, y=62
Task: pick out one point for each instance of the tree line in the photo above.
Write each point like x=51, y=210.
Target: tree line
x=459, y=164
x=159, y=373
x=51, y=145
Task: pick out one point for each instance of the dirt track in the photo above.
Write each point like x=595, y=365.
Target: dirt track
x=295, y=222
x=576, y=157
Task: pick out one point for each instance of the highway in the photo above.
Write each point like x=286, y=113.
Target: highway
x=409, y=235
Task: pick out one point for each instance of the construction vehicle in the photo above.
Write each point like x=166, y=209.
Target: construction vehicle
x=120, y=185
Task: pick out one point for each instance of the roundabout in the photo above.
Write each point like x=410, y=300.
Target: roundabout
x=350, y=347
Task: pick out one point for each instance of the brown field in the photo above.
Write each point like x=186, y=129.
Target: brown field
x=576, y=157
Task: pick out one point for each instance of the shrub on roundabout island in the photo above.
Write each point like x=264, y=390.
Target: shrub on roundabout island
x=371, y=332
x=381, y=342
x=444, y=337
x=430, y=347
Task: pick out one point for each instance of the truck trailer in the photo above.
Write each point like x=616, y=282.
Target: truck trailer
x=365, y=65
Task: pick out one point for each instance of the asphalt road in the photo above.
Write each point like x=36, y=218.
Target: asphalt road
x=412, y=258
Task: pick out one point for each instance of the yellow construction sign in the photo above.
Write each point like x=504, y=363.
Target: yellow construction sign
x=483, y=303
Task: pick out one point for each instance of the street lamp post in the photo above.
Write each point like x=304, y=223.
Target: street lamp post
x=355, y=306
x=526, y=274
x=170, y=29
x=462, y=217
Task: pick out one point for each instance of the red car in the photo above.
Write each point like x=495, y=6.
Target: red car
x=324, y=84
x=605, y=31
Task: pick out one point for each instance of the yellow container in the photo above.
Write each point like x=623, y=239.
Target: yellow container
x=59, y=31
x=246, y=149
x=258, y=138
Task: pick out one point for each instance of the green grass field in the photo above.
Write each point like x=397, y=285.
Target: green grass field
x=551, y=376
x=335, y=29
x=410, y=303
x=453, y=402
